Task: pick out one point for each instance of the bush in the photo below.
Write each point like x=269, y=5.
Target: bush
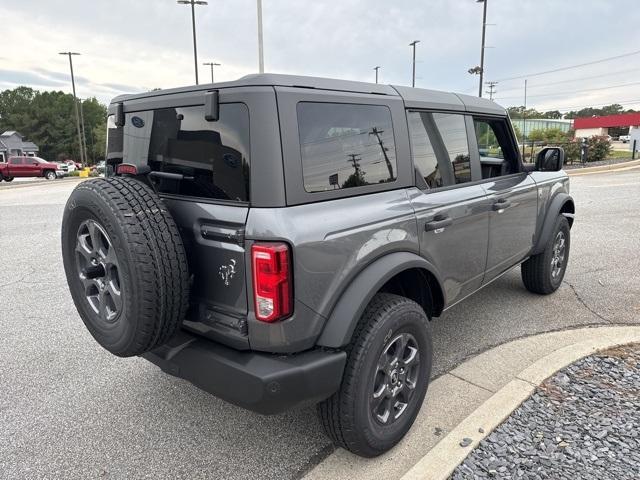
x=75, y=173
x=599, y=149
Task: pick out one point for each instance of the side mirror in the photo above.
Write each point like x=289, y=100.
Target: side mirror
x=35, y=163
x=550, y=159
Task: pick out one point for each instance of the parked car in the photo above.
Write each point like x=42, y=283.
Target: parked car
x=282, y=241
x=71, y=166
x=29, y=167
x=625, y=138
x=100, y=167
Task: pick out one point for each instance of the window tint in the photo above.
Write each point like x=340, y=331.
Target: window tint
x=424, y=157
x=454, y=136
x=15, y=161
x=496, y=150
x=345, y=145
x=213, y=157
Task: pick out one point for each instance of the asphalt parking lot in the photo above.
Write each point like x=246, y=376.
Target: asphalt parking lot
x=68, y=409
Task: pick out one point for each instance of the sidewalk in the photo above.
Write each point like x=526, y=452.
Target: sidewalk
x=612, y=167
x=466, y=404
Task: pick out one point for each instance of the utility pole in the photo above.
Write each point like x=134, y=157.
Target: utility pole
x=492, y=89
x=413, y=76
x=193, y=4
x=212, y=64
x=374, y=131
x=524, y=119
x=355, y=158
x=484, y=28
x=260, y=41
x=75, y=102
x=84, y=136
x=376, y=69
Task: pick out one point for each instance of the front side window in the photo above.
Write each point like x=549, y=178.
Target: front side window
x=453, y=132
x=345, y=145
x=210, y=158
x=497, y=154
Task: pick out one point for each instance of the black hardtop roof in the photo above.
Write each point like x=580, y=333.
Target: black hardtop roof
x=413, y=97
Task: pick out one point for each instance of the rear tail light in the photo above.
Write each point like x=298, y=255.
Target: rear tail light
x=127, y=169
x=272, y=283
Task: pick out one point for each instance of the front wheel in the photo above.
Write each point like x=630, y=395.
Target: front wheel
x=543, y=273
x=50, y=175
x=385, y=379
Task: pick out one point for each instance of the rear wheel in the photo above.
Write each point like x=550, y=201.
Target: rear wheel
x=50, y=175
x=385, y=379
x=8, y=179
x=543, y=273
x=125, y=264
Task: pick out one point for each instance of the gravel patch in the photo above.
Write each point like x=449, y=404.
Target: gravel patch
x=584, y=422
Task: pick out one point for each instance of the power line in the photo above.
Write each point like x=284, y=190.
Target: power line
x=574, y=107
x=561, y=69
x=574, y=79
x=576, y=91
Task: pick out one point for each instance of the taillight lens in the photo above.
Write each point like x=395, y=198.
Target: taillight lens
x=272, y=284
x=127, y=169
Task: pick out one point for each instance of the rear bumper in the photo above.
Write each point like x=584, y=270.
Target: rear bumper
x=264, y=383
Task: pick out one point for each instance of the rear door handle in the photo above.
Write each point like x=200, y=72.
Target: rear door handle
x=501, y=205
x=438, y=224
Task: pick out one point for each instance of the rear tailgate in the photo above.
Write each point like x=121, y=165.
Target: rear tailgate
x=214, y=240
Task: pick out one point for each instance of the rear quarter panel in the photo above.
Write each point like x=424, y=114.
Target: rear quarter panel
x=331, y=243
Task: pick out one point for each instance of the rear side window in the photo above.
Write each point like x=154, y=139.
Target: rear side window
x=453, y=132
x=15, y=161
x=212, y=157
x=345, y=145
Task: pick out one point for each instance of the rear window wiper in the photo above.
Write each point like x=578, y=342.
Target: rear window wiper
x=169, y=176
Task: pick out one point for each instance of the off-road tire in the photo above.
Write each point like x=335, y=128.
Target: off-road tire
x=49, y=175
x=153, y=270
x=537, y=270
x=346, y=416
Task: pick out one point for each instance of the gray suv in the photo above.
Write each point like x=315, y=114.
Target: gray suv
x=281, y=241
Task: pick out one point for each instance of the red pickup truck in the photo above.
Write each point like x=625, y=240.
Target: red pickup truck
x=28, y=167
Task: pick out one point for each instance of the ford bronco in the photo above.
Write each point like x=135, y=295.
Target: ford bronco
x=281, y=241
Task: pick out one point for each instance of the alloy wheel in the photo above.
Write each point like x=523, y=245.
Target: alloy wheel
x=395, y=378
x=99, y=271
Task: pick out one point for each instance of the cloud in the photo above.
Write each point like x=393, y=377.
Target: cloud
x=131, y=46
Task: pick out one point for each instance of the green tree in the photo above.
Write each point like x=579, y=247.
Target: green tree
x=48, y=119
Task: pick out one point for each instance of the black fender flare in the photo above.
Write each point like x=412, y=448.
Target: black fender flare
x=345, y=315
x=555, y=209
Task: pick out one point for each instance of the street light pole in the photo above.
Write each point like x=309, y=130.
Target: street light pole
x=84, y=136
x=484, y=28
x=260, y=42
x=193, y=4
x=413, y=76
x=212, y=64
x=75, y=102
x=376, y=69
x=524, y=119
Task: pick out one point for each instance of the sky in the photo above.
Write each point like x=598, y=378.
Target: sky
x=131, y=46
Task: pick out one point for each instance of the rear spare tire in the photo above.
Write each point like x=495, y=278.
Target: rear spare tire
x=125, y=264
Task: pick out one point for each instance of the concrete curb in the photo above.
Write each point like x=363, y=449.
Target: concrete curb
x=604, y=168
x=440, y=462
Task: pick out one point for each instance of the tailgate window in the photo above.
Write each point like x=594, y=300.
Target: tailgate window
x=212, y=157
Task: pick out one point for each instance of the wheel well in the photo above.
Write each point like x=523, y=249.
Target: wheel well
x=421, y=286
x=568, y=207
